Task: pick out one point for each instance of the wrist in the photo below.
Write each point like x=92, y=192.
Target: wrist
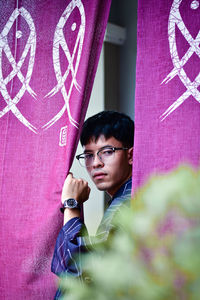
x=70, y=213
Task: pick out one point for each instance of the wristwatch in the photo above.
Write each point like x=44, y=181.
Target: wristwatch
x=70, y=203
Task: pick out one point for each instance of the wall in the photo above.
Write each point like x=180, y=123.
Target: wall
x=94, y=207
x=124, y=13
x=113, y=89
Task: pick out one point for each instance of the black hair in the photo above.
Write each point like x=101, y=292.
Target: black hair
x=110, y=124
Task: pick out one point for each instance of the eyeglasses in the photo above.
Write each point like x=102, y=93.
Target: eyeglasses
x=105, y=154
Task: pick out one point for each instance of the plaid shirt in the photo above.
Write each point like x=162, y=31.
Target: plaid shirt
x=73, y=239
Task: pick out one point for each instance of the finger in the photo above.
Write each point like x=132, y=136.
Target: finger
x=69, y=177
x=70, y=174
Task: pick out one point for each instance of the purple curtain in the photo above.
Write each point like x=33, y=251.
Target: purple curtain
x=49, y=50
x=167, y=109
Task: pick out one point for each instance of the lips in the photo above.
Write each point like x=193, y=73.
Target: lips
x=98, y=175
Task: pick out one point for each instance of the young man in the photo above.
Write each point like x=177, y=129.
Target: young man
x=107, y=140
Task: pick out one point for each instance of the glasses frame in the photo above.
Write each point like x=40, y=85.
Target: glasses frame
x=103, y=148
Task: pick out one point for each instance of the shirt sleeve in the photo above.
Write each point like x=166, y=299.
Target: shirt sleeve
x=70, y=244
x=73, y=239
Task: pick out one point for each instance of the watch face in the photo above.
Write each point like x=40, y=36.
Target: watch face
x=70, y=203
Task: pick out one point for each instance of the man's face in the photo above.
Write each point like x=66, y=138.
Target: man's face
x=109, y=176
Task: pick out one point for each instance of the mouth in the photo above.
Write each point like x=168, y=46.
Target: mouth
x=98, y=176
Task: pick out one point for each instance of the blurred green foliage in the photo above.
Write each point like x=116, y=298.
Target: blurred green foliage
x=153, y=252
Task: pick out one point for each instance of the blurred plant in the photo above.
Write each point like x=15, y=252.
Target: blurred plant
x=153, y=252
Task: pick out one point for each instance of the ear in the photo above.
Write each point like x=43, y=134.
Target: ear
x=130, y=156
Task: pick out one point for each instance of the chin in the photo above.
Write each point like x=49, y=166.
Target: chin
x=101, y=187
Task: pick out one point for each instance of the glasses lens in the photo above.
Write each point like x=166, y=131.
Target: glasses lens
x=86, y=159
x=106, y=154
x=82, y=161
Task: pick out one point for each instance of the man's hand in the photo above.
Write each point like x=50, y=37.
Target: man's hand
x=75, y=188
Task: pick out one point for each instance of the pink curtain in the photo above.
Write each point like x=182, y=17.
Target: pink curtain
x=167, y=109
x=49, y=50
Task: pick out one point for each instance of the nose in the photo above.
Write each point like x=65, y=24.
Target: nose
x=97, y=162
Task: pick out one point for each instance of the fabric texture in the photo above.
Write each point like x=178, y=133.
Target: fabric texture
x=73, y=239
x=167, y=105
x=49, y=50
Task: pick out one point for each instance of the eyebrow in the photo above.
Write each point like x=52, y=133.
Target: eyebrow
x=106, y=146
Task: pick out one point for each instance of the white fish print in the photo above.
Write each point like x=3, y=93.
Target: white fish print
x=175, y=19
x=30, y=46
x=59, y=41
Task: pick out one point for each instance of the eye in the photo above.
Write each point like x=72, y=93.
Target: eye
x=107, y=152
x=88, y=156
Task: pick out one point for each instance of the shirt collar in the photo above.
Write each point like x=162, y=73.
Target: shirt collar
x=123, y=190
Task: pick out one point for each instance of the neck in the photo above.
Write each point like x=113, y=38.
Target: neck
x=113, y=192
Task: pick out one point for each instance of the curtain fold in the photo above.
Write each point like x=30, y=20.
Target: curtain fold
x=49, y=52
x=167, y=106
